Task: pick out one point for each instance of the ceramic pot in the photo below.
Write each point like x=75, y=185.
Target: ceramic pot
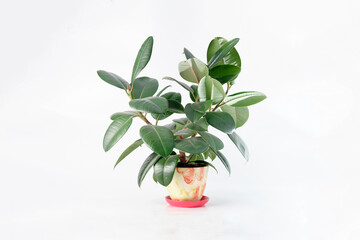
x=188, y=183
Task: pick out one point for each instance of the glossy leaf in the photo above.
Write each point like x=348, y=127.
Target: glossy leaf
x=213, y=141
x=184, y=132
x=144, y=87
x=222, y=52
x=174, y=105
x=240, y=144
x=224, y=161
x=143, y=57
x=188, y=54
x=224, y=73
x=221, y=121
x=150, y=104
x=193, y=70
x=191, y=145
x=172, y=96
x=210, y=89
x=129, y=150
x=194, y=111
x=116, y=131
x=244, y=99
x=125, y=113
x=162, y=90
x=145, y=167
x=239, y=114
x=159, y=139
x=200, y=125
x=113, y=79
x=231, y=58
x=171, y=126
x=164, y=169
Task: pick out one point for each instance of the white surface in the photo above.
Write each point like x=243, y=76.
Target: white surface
x=302, y=181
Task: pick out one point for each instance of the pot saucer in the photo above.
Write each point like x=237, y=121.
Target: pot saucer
x=187, y=204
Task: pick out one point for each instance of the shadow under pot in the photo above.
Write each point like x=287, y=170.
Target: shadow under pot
x=188, y=183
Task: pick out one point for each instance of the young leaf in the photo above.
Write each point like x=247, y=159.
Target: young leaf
x=113, y=79
x=164, y=169
x=188, y=54
x=129, y=150
x=116, y=131
x=221, y=121
x=144, y=87
x=231, y=58
x=159, y=139
x=240, y=144
x=193, y=70
x=145, y=167
x=142, y=58
x=244, y=99
x=221, y=53
x=239, y=114
x=210, y=89
x=150, y=104
x=213, y=141
x=191, y=145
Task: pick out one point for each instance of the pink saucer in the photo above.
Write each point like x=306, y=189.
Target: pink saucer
x=187, y=204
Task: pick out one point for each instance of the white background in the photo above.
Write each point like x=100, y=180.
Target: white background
x=302, y=180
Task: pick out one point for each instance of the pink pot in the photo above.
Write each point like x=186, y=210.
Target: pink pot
x=188, y=183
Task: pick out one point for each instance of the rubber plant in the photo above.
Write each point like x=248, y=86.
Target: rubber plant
x=185, y=141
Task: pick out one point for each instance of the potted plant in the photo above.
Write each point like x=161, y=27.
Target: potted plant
x=183, y=148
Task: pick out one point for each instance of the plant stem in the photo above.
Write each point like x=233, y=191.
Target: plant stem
x=182, y=157
x=144, y=118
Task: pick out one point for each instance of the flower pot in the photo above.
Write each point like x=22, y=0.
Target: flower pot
x=188, y=183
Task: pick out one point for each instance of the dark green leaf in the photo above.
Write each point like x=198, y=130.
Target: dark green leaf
x=162, y=90
x=194, y=96
x=221, y=53
x=125, y=113
x=129, y=150
x=150, y=104
x=209, y=153
x=113, y=79
x=159, y=139
x=172, y=96
x=244, y=99
x=223, y=160
x=224, y=73
x=144, y=87
x=239, y=114
x=221, y=121
x=164, y=169
x=143, y=57
x=191, y=145
x=184, y=132
x=193, y=70
x=194, y=111
x=116, y=131
x=182, y=121
x=240, y=144
x=145, y=167
x=231, y=58
x=200, y=125
x=213, y=141
x=188, y=54
x=174, y=105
